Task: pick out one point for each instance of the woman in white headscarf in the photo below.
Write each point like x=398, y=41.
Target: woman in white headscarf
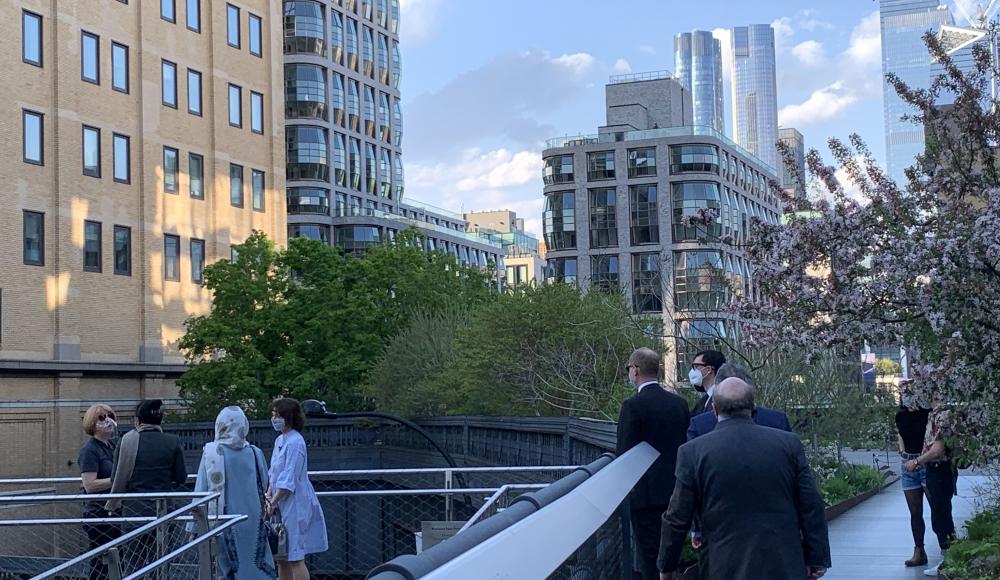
x=237, y=470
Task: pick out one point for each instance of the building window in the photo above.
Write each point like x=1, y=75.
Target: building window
x=306, y=153
x=600, y=165
x=91, y=151
x=311, y=200
x=558, y=170
x=168, y=10
x=645, y=221
x=642, y=162
x=123, y=158
x=604, y=272
x=562, y=270
x=119, y=67
x=255, y=36
x=197, y=261
x=31, y=38
x=33, y=135
x=34, y=238
x=310, y=232
x=690, y=199
x=699, y=281
x=123, y=250
x=235, y=106
x=90, y=59
x=257, y=190
x=233, y=25
x=91, y=246
x=194, y=15
x=194, y=92
x=236, y=185
x=170, y=169
x=171, y=257
x=694, y=336
x=196, y=175
x=357, y=239
x=694, y=159
x=559, y=220
x=257, y=113
x=646, y=293
x=168, y=76
x=603, y=221
x=305, y=28
x=305, y=93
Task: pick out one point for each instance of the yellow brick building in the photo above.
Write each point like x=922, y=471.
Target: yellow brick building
x=139, y=140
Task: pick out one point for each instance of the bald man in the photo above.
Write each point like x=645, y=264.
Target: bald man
x=761, y=514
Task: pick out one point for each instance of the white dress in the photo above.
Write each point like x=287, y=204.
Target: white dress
x=300, y=509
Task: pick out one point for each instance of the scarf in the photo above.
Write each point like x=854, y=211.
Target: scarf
x=127, y=450
x=231, y=428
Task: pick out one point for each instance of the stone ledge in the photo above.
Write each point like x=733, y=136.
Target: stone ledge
x=61, y=368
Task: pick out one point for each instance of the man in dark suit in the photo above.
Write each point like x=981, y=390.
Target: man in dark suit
x=702, y=377
x=761, y=514
x=705, y=422
x=659, y=418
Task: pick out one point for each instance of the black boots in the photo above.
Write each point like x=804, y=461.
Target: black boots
x=919, y=558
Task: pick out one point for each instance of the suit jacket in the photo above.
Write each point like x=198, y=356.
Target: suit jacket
x=659, y=418
x=760, y=510
x=705, y=423
x=159, y=463
x=701, y=406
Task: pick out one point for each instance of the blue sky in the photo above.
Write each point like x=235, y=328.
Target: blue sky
x=486, y=82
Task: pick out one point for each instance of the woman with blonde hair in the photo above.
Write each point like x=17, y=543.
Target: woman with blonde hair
x=96, y=462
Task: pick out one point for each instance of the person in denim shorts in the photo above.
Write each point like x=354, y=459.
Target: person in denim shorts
x=911, y=423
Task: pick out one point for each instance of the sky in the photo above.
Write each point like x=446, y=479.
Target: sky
x=485, y=83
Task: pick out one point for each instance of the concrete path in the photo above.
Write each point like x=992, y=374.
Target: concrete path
x=872, y=541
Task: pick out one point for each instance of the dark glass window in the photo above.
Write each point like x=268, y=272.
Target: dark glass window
x=34, y=138
x=694, y=159
x=194, y=15
x=168, y=76
x=689, y=198
x=123, y=158
x=170, y=164
x=604, y=272
x=256, y=46
x=310, y=232
x=559, y=220
x=558, y=170
x=647, y=295
x=34, y=238
x=90, y=58
x=642, y=162
x=305, y=92
x=168, y=10
x=305, y=28
x=235, y=106
x=123, y=250
x=306, y=153
x=354, y=165
x=171, y=257
x=562, y=270
x=91, y=246
x=31, y=38
x=603, y=221
x=91, y=151
x=257, y=189
x=600, y=165
x=233, y=25
x=339, y=160
x=645, y=221
x=197, y=261
x=312, y=200
x=194, y=92
x=196, y=175
x=236, y=185
x=357, y=239
x=119, y=67
x=337, y=36
x=257, y=113
x=699, y=280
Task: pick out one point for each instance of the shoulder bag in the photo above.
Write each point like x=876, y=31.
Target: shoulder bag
x=273, y=527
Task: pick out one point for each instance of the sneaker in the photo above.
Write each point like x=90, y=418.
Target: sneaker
x=932, y=571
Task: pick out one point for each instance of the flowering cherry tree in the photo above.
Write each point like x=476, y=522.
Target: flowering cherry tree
x=915, y=262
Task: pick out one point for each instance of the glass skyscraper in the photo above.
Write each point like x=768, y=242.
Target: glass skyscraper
x=905, y=54
x=793, y=178
x=698, y=66
x=755, y=100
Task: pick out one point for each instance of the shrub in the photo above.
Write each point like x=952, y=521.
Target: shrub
x=836, y=490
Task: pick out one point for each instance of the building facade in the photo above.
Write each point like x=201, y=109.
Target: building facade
x=755, y=93
x=618, y=207
x=143, y=140
x=698, y=67
x=793, y=177
x=523, y=264
x=904, y=54
x=345, y=130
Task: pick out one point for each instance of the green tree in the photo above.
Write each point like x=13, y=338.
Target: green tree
x=886, y=367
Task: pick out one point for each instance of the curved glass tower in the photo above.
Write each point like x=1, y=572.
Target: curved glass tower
x=698, y=67
x=755, y=94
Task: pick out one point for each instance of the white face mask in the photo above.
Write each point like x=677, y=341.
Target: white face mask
x=695, y=377
x=107, y=426
x=278, y=423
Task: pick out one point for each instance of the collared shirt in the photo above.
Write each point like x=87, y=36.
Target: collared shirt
x=724, y=418
x=639, y=388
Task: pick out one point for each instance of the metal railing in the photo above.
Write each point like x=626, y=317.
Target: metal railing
x=655, y=75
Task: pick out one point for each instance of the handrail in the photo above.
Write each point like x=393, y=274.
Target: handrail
x=103, y=497
x=192, y=544
x=442, y=491
x=489, y=502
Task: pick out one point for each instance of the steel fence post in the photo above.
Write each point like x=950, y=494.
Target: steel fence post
x=205, y=563
x=113, y=561
x=448, y=507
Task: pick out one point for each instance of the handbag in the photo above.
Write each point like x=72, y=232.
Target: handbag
x=271, y=525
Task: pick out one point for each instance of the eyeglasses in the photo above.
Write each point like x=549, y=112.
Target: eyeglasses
x=106, y=417
x=699, y=365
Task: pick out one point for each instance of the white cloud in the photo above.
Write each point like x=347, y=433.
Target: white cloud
x=622, y=66
x=783, y=32
x=866, y=42
x=810, y=53
x=647, y=49
x=822, y=105
x=851, y=189
x=418, y=19
x=579, y=62
x=809, y=20
x=501, y=169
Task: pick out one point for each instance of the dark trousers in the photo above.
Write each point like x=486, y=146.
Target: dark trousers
x=940, y=489
x=646, y=525
x=100, y=534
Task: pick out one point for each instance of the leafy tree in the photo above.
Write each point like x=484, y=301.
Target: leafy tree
x=886, y=367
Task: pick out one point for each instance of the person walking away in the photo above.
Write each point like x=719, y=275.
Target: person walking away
x=659, y=418
x=237, y=471
x=936, y=457
x=761, y=514
x=911, y=424
x=96, y=461
x=291, y=492
x=702, y=377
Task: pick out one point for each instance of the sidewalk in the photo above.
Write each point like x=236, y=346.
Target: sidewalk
x=871, y=541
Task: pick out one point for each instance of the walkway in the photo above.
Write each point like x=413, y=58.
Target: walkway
x=871, y=541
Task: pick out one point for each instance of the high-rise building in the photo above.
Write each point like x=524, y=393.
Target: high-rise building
x=698, y=67
x=755, y=93
x=143, y=140
x=523, y=265
x=344, y=131
x=959, y=43
x=904, y=54
x=618, y=211
x=793, y=178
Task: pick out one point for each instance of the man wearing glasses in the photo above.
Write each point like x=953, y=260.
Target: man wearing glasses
x=702, y=377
